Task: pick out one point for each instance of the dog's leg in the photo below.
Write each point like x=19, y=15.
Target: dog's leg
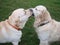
x=44, y=37
x=15, y=43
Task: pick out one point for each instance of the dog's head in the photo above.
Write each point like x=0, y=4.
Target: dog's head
x=41, y=12
x=19, y=17
x=38, y=10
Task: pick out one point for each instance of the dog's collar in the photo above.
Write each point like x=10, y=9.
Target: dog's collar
x=17, y=28
x=43, y=24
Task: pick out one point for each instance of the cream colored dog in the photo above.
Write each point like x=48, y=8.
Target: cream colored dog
x=10, y=29
x=47, y=29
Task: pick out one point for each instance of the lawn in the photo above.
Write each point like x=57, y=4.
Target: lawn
x=29, y=35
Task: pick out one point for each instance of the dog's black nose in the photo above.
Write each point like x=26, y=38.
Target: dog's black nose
x=32, y=14
x=32, y=11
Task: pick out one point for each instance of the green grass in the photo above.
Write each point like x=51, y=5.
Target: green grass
x=29, y=35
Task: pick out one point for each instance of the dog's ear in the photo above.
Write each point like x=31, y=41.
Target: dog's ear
x=17, y=21
x=14, y=19
x=45, y=15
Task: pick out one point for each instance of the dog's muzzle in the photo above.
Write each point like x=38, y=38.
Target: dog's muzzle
x=32, y=11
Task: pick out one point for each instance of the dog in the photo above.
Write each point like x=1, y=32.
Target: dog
x=47, y=29
x=10, y=29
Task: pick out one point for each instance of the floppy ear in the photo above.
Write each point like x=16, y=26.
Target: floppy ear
x=45, y=16
x=14, y=19
x=17, y=21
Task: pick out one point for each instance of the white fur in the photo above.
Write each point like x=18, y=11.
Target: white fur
x=48, y=32
x=7, y=32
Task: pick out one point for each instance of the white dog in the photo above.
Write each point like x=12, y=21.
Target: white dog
x=10, y=29
x=47, y=29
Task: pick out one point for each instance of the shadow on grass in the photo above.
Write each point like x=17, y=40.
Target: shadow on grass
x=55, y=43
